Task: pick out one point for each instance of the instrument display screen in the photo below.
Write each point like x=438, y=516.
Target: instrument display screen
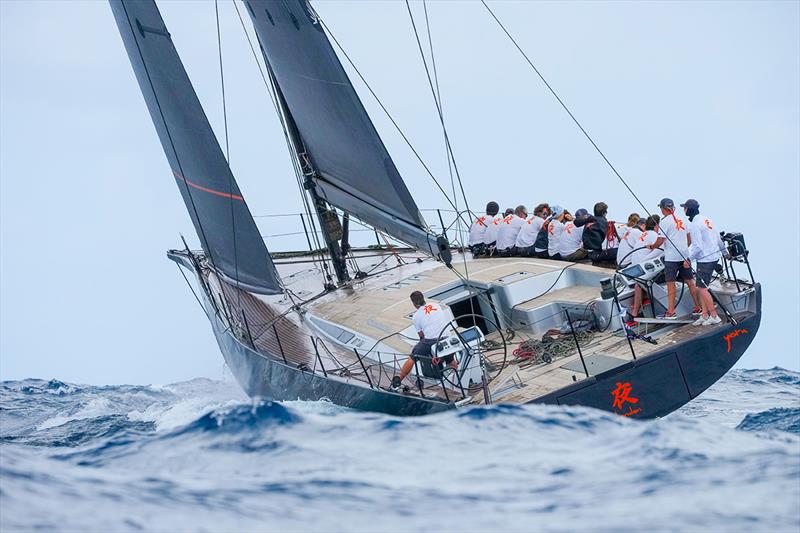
x=635, y=271
x=470, y=335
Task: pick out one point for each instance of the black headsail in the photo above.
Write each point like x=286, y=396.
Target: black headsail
x=349, y=165
x=204, y=178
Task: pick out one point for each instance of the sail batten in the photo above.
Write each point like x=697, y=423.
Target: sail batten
x=351, y=168
x=220, y=215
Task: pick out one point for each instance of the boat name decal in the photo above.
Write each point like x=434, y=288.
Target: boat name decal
x=732, y=335
x=622, y=394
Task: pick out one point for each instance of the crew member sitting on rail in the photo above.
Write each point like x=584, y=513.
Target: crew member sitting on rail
x=493, y=222
x=555, y=228
x=527, y=234
x=477, y=231
x=509, y=230
x=540, y=247
x=431, y=321
x=705, y=247
x=627, y=239
x=594, y=235
x=675, y=239
x=570, y=246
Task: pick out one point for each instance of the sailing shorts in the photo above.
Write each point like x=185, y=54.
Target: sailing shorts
x=704, y=272
x=674, y=268
x=423, y=348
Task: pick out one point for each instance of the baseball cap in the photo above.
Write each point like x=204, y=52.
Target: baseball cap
x=666, y=203
x=642, y=221
x=691, y=204
x=581, y=213
x=556, y=210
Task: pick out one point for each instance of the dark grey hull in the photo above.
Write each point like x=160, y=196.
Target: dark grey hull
x=663, y=381
x=660, y=382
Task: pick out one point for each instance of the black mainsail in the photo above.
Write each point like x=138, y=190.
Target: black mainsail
x=220, y=215
x=350, y=166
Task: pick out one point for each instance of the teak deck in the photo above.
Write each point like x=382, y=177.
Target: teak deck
x=379, y=307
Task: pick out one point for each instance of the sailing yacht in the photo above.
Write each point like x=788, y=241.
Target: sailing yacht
x=307, y=326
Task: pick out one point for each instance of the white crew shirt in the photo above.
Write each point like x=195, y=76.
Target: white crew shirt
x=554, y=231
x=707, y=246
x=527, y=234
x=478, y=229
x=675, y=229
x=509, y=229
x=492, y=227
x=627, y=241
x=571, y=239
x=649, y=237
x=431, y=319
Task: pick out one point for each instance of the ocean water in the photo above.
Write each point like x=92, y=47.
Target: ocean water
x=200, y=456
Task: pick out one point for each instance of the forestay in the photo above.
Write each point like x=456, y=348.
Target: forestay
x=352, y=168
x=220, y=215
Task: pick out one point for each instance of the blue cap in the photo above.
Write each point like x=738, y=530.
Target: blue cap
x=666, y=203
x=581, y=213
x=691, y=204
x=556, y=210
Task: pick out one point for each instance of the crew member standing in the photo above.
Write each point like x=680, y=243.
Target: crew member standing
x=675, y=239
x=706, y=248
x=430, y=321
x=628, y=233
x=477, y=231
x=642, y=252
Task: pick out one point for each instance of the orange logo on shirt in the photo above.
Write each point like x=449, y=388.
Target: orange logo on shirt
x=569, y=227
x=482, y=221
x=732, y=335
x=429, y=309
x=551, y=229
x=497, y=221
x=508, y=219
x=622, y=395
x=643, y=236
x=679, y=225
x=708, y=224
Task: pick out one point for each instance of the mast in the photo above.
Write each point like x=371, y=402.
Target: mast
x=344, y=161
x=330, y=226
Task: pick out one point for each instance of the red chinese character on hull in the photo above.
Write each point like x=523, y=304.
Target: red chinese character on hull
x=732, y=335
x=622, y=395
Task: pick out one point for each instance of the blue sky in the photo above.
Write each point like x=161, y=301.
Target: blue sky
x=688, y=99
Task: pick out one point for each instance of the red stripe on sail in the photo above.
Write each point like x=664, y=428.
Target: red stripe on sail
x=206, y=189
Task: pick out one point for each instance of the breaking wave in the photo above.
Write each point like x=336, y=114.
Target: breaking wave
x=199, y=455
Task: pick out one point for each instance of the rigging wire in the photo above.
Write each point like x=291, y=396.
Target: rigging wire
x=386, y=112
x=438, y=96
x=575, y=120
x=295, y=163
x=227, y=152
x=437, y=99
x=438, y=106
